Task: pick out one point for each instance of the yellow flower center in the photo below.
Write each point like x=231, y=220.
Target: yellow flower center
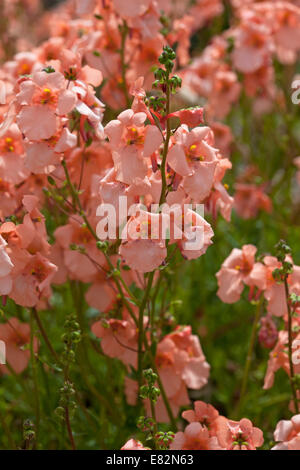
x=9, y=147
x=47, y=96
x=192, y=153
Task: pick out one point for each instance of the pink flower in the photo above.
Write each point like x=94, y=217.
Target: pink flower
x=32, y=232
x=196, y=235
x=278, y=359
x=118, y=338
x=133, y=253
x=132, y=143
x=179, y=359
x=223, y=137
x=235, y=272
x=16, y=335
x=194, y=437
x=251, y=46
x=191, y=117
x=287, y=433
x=225, y=89
x=33, y=285
x=41, y=99
x=268, y=333
x=249, y=199
x=6, y=267
x=181, y=363
x=193, y=158
x=43, y=157
x=132, y=444
x=203, y=413
x=262, y=277
x=46, y=100
x=238, y=435
x=101, y=294
x=12, y=160
x=143, y=234
x=132, y=9
x=80, y=266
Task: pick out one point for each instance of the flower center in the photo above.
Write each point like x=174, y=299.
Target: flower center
x=8, y=145
x=47, y=96
x=239, y=440
x=193, y=154
x=24, y=69
x=134, y=137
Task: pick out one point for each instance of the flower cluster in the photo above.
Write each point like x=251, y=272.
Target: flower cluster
x=207, y=430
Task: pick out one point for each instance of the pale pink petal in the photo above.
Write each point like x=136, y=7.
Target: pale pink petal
x=66, y=141
x=37, y=122
x=132, y=8
x=66, y=102
x=133, y=252
x=198, y=186
x=153, y=140
x=177, y=160
x=92, y=76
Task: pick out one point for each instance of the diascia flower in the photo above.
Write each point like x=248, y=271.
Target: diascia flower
x=5, y=269
x=278, y=359
x=252, y=45
x=12, y=158
x=238, y=435
x=42, y=99
x=191, y=365
x=287, y=434
x=235, y=272
x=28, y=248
x=262, y=277
x=132, y=444
x=79, y=266
x=195, y=437
x=131, y=9
x=240, y=269
x=132, y=144
x=181, y=365
x=203, y=413
x=268, y=333
x=44, y=103
x=249, y=199
x=143, y=234
x=200, y=434
x=193, y=158
x=192, y=117
x=179, y=359
x=16, y=336
x=196, y=235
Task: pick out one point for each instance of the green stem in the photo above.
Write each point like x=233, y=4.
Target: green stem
x=69, y=429
x=290, y=348
x=44, y=335
x=165, y=150
x=152, y=310
x=124, y=32
x=249, y=356
x=164, y=395
x=141, y=331
x=35, y=376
